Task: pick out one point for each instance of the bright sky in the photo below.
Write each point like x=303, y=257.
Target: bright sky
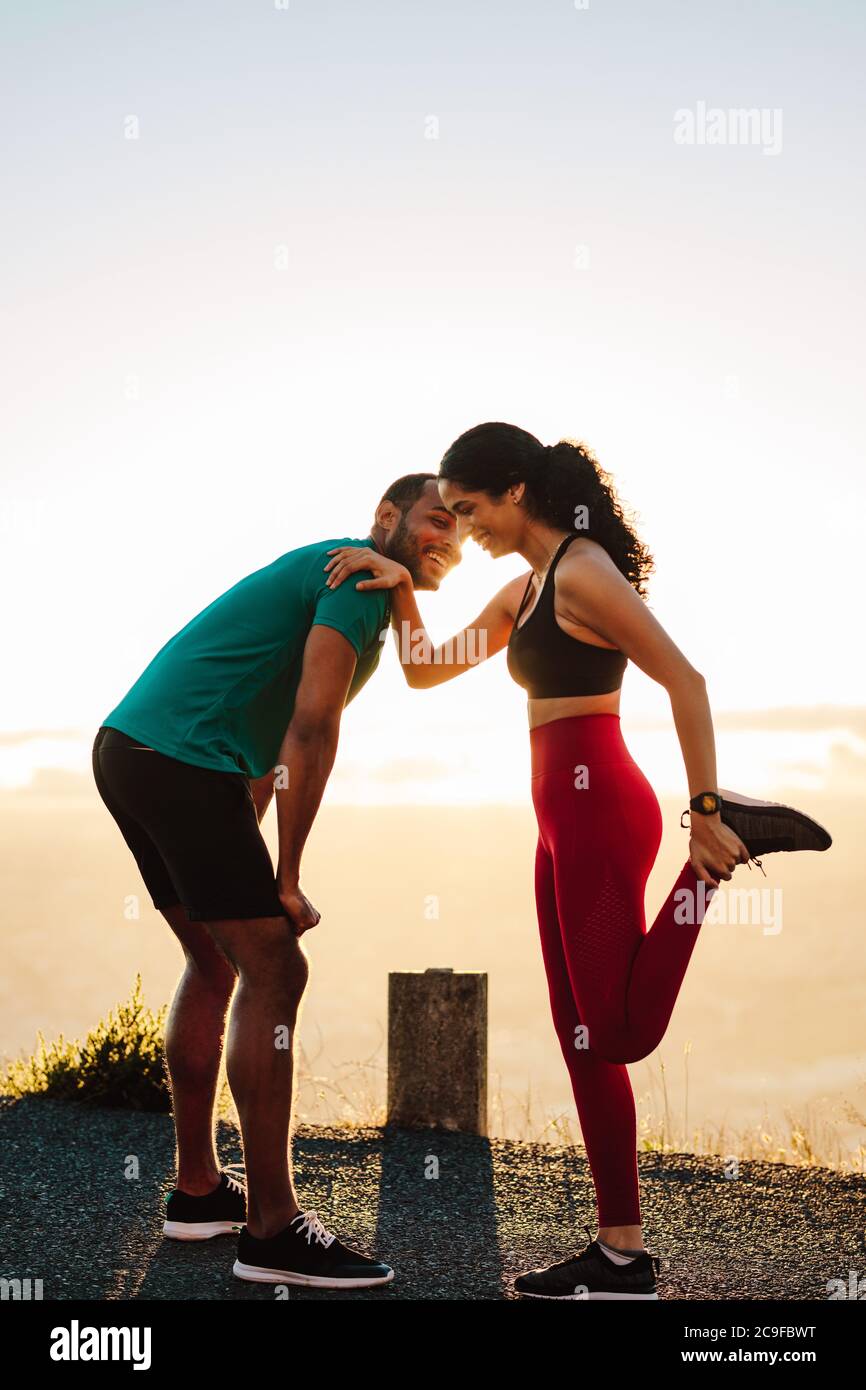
x=346, y=233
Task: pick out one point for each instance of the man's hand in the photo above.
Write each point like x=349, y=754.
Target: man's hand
x=302, y=914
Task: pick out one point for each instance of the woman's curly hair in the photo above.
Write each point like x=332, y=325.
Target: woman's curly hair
x=566, y=487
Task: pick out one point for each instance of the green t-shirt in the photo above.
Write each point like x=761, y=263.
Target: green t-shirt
x=220, y=693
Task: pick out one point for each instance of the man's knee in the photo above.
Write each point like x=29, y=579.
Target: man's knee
x=204, y=957
x=266, y=954
x=215, y=973
x=292, y=968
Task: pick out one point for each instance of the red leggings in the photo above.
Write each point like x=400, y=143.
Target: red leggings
x=613, y=984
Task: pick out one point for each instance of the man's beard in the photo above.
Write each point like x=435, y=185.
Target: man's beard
x=404, y=548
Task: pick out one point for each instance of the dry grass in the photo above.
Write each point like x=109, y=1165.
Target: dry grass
x=120, y=1064
x=327, y=1093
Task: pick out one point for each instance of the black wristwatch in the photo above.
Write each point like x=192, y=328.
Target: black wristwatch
x=705, y=803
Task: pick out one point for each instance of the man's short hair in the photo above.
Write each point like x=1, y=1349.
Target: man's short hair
x=404, y=493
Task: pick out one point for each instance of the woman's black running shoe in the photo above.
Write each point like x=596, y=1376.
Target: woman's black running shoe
x=305, y=1253
x=592, y=1276
x=767, y=827
x=218, y=1213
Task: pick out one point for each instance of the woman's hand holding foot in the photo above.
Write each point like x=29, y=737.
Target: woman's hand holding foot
x=714, y=850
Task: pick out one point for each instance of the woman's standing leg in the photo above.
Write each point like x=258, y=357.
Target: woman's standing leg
x=598, y=839
x=602, y=1090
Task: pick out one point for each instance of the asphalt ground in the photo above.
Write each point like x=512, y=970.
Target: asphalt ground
x=82, y=1202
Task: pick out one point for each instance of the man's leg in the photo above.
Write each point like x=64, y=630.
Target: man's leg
x=272, y=974
x=193, y=1047
x=195, y=834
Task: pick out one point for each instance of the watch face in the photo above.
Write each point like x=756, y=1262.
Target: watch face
x=708, y=803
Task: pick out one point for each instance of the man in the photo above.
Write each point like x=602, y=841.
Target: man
x=242, y=702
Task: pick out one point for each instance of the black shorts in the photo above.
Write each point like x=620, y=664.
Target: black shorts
x=193, y=831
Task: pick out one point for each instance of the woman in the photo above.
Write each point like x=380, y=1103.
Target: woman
x=570, y=627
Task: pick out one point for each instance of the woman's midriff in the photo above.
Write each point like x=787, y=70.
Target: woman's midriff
x=568, y=706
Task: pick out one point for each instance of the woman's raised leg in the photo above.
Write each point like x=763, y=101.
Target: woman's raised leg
x=625, y=979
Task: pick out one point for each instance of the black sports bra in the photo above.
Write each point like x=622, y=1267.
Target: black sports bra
x=547, y=662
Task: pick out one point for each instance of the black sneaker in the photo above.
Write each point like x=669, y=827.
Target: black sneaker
x=767, y=827
x=592, y=1275
x=218, y=1213
x=305, y=1253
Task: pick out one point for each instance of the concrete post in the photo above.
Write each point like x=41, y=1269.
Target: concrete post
x=437, y=1050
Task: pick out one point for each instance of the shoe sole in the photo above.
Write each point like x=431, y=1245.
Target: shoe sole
x=259, y=1274
x=199, y=1230
x=591, y=1297
x=750, y=806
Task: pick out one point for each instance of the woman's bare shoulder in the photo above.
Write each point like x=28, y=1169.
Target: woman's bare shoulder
x=583, y=550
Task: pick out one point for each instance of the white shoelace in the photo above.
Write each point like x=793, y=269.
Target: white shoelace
x=231, y=1180
x=311, y=1226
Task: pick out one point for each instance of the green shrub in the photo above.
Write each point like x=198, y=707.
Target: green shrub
x=119, y=1064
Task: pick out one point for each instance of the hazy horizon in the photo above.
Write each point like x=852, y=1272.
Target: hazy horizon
x=759, y=752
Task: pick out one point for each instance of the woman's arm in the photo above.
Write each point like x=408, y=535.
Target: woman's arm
x=591, y=591
x=423, y=664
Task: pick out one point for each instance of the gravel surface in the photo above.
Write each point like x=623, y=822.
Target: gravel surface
x=82, y=1190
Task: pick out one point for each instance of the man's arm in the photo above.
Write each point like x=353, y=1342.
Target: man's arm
x=425, y=665
x=306, y=757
